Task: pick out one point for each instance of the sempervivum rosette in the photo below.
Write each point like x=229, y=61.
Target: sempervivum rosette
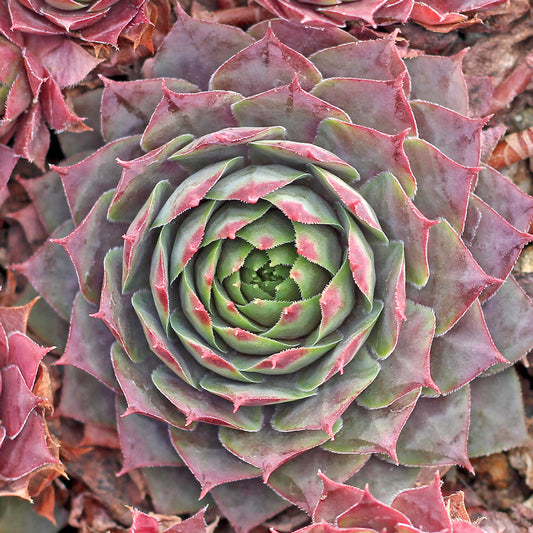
x=28, y=455
x=32, y=77
x=346, y=509
x=295, y=264
x=93, y=21
x=436, y=15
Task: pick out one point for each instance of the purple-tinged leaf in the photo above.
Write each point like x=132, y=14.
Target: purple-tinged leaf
x=443, y=185
x=453, y=285
x=266, y=64
x=196, y=114
x=369, y=151
x=51, y=272
x=484, y=225
x=289, y=106
x=8, y=160
x=305, y=40
x=144, y=442
x=401, y=220
x=14, y=414
x=140, y=393
x=470, y=335
x=185, y=497
x=86, y=399
x=509, y=315
x=436, y=433
x=434, y=122
x=128, y=105
x=439, y=80
x=388, y=110
x=370, y=60
x=25, y=354
x=81, y=191
x=322, y=410
x=210, y=463
x=32, y=138
x=85, y=105
x=87, y=245
x=425, y=507
x=335, y=498
x=385, y=480
x=364, y=10
x=496, y=420
x=261, y=503
x=89, y=344
x=281, y=446
x=505, y=197
x=204, y=407
x=369, y=512
x=368, y=431
x=188, y=36
x=28, y=452
x=46, y=194
x=297, y=479
x=408, y=366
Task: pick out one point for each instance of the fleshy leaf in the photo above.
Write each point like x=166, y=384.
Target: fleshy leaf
x=262, y=66
x=211, y=464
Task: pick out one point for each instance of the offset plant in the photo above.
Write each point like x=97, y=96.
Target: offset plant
x=436, y=15
x=92, y=21
x=290, y=261
x=28, y=454
x=346, y=509
x=32, y=77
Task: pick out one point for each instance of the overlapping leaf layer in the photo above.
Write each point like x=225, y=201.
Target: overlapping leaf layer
x=297, y=263
x=436, y=15
x=347, y=509
x=92, y=21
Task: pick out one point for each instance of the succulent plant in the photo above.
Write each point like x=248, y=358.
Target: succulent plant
x=296, y=263
x=28, y=454
x=31, y=81
x=93, y=21
x=436, y=15
x=346, y=509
